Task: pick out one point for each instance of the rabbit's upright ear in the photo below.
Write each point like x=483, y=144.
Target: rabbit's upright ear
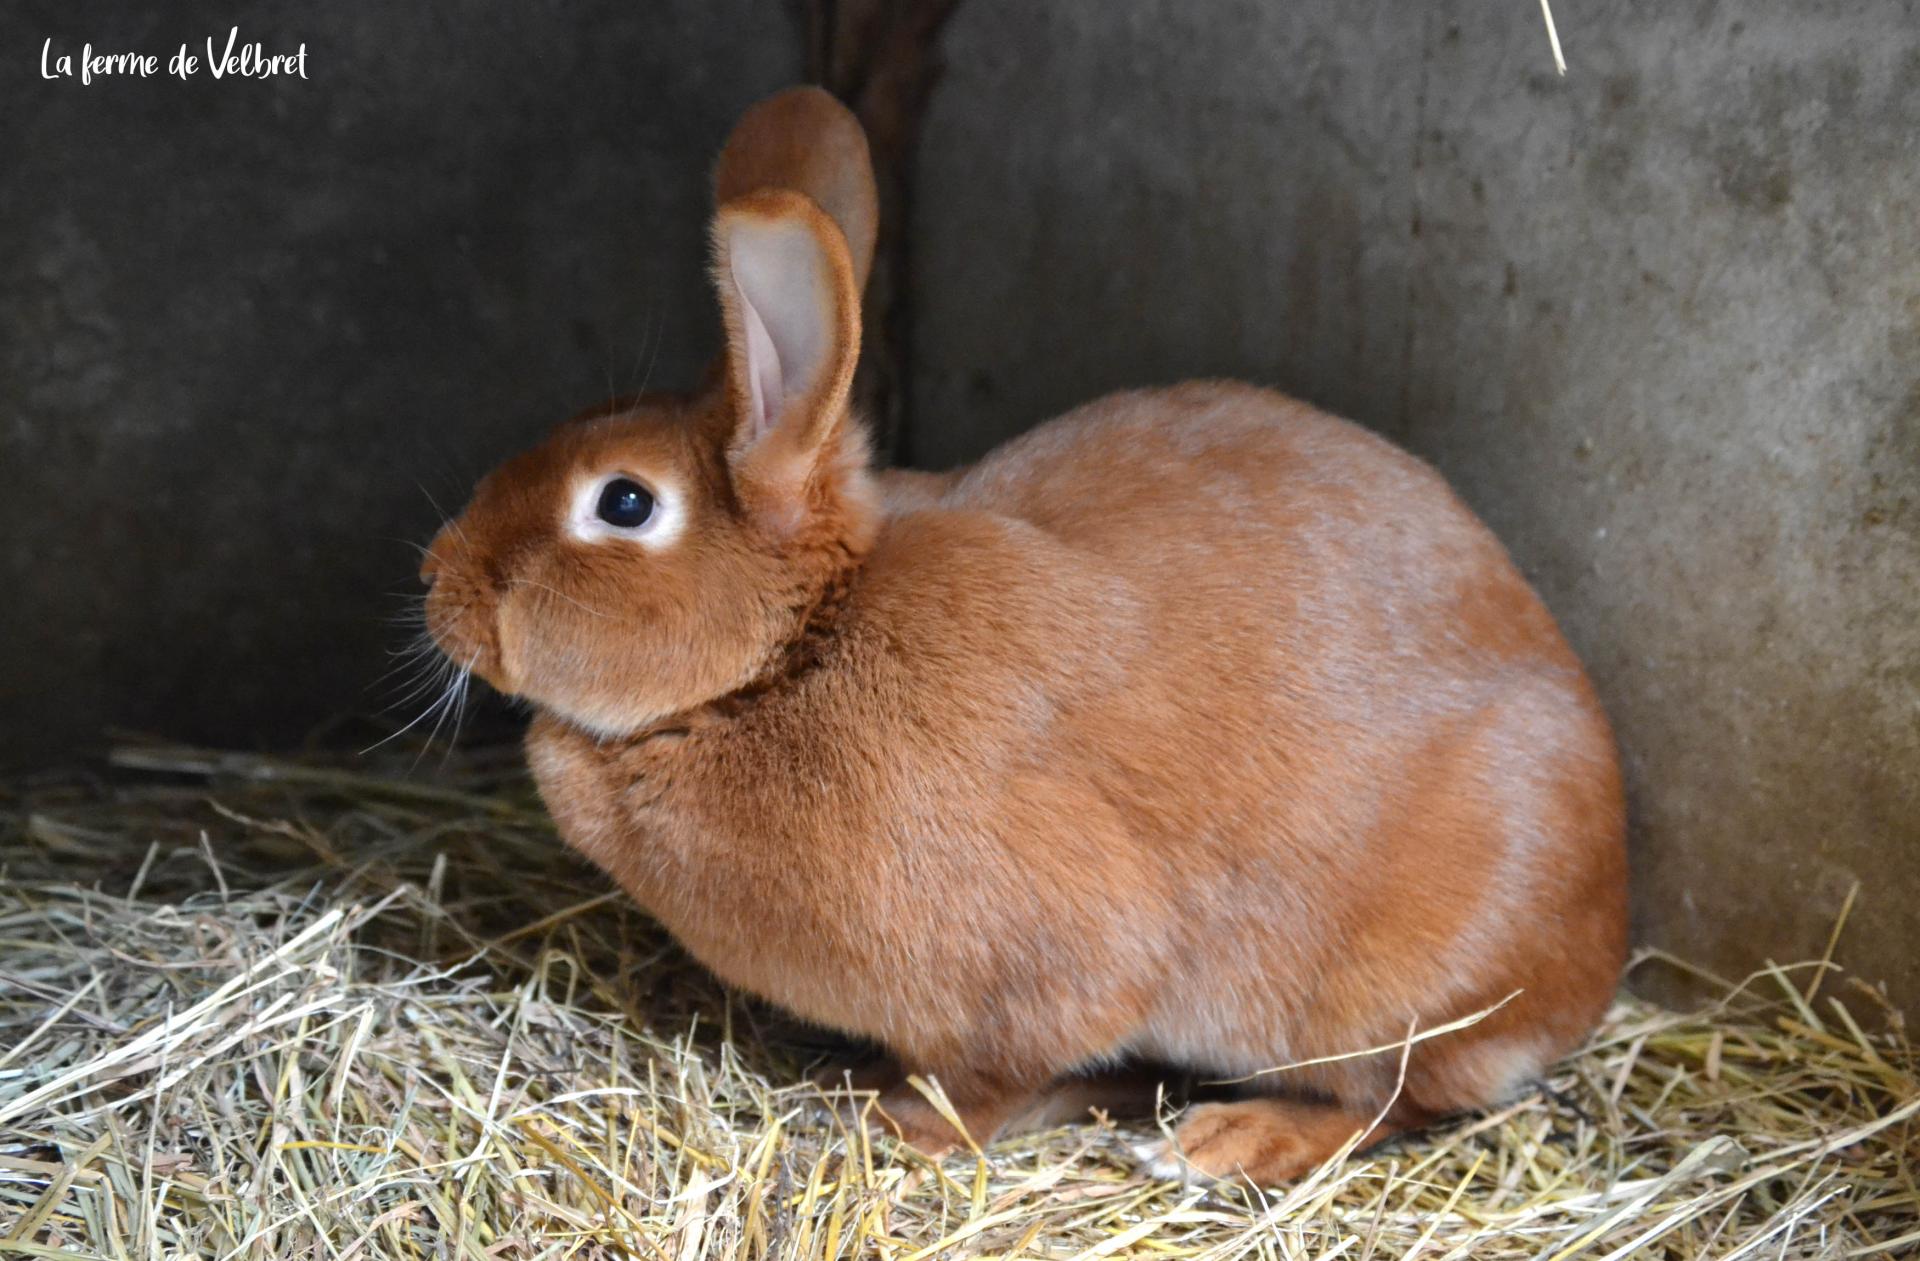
x=792, y=309
x=804, y=140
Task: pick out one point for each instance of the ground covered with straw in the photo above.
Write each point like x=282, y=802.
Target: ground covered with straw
x=274, y=1009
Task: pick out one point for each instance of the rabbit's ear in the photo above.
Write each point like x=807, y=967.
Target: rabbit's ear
x=792, y=316
x=804, y=140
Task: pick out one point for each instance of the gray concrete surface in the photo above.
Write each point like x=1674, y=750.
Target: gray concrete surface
x=243, y=323
x=1659, y=321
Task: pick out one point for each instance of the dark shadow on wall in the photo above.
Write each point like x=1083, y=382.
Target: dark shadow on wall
x=252, y=330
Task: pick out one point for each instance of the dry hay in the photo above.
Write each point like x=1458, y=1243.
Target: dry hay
x=270, y=1009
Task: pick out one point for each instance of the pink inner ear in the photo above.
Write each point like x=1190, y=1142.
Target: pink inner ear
x=783, y=299
x=763, y=368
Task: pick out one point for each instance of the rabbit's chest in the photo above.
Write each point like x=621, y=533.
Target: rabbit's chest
x=796, y=887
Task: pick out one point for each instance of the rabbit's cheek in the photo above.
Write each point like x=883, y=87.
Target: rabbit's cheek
x=521, y=660
x=490, y=663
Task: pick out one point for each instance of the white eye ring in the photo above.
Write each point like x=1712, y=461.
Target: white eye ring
x=585, y=522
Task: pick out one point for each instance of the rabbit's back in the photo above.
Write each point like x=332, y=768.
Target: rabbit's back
x=1306, y=556
x=1227, y=488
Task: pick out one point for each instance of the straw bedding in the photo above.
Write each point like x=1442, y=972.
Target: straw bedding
x=311, y=1009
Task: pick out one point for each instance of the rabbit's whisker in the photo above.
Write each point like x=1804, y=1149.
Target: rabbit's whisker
x=445, y=520
x=450, y=702
x=438, y=706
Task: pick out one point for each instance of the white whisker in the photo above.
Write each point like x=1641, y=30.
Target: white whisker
x=445, y=520
x=449, y=700
x=459, y=710
x=424, y=715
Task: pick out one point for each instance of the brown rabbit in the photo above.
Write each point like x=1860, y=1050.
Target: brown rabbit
x=1195, y=726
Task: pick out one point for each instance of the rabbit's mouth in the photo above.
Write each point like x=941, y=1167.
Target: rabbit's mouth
x=470, y=646
x=462, y=608
x=460, y=621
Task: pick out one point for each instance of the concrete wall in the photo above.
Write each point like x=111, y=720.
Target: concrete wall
x=1659, y=321
x=244, y=323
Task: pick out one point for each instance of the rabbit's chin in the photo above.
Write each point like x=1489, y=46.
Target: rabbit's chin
x=601, y=723
x=604, y=715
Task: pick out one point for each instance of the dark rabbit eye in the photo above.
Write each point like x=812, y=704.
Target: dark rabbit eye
x=624, y=503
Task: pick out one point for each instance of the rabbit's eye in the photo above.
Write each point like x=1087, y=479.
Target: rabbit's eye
x=624, y=504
